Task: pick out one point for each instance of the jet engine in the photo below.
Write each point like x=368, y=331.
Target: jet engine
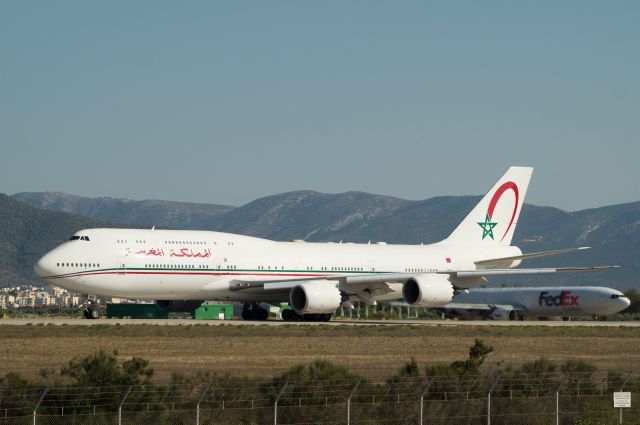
x=503, y=314
x=178, y=306
x=427, y=290
x=315, y=297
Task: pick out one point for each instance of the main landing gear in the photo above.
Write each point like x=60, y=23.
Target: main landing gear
x=290, y=315
x=90, y=311
x=253, y=311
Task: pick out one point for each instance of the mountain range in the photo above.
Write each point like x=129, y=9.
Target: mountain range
x=613, y=231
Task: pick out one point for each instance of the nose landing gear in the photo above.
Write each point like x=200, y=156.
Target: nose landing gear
x=90, y=312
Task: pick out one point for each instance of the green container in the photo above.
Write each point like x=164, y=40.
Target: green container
x=136, y=311
x=214, y=312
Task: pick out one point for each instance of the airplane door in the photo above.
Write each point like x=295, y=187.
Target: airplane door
x=121, y=266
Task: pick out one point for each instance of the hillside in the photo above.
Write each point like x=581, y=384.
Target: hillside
x=151, y=212
x=612, y=231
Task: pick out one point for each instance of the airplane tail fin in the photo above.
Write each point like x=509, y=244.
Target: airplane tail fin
x=492, y=222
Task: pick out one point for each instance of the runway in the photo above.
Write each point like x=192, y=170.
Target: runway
x=412, y=323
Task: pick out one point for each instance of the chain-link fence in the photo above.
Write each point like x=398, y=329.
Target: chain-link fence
x=462, y=400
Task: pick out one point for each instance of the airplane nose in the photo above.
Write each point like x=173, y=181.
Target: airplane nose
x=625, y=301
x=43, y=267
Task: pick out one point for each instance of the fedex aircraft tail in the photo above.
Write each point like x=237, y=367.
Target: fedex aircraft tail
x=493, y=220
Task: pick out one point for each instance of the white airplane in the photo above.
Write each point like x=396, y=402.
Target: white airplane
x=182, y=268
x=555, y=301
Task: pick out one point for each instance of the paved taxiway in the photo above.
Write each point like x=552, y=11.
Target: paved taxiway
x=188, y=322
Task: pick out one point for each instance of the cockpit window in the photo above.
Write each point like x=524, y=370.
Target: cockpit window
x=81, y=238
x=616, y=296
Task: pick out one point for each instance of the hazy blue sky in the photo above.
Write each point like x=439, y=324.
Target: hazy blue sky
x=225, y=102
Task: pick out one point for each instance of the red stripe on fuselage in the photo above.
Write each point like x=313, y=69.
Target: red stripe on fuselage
x=212, y=273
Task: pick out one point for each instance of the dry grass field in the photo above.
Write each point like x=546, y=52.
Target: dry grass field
x=254, y=351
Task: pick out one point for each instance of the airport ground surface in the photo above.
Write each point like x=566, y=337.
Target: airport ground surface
x=374, y=350
x=334, y=322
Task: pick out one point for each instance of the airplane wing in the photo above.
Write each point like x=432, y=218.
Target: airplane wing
x=377, y=285
x=383, y=283
x=503, y=272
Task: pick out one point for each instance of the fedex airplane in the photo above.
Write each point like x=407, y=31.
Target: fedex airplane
x=516, y=303
x=180, y=268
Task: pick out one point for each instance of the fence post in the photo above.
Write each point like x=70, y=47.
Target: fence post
x=35, y=409
x=122, y=404
x=275, y=404
x=493, y=386
x=353, y=390
x=424, y=393
x=621, y=388
x=204, y=392
x=558, y=403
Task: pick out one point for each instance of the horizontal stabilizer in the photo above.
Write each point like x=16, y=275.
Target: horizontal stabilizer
x=493, y=261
